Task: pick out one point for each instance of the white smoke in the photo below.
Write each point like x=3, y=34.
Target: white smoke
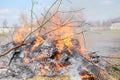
x=74, y=69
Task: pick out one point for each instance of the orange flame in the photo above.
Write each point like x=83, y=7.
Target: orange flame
x=20, y=33
x=63, y=38
x=39, y=40
x=87, y=76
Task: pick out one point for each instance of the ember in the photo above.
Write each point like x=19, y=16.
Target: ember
x=86, y=75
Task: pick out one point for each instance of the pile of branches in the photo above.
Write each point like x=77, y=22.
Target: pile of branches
x=21, y=59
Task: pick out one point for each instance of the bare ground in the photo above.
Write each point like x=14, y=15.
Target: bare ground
x=104, y=42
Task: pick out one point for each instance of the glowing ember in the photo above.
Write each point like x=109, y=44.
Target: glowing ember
x=86, y=75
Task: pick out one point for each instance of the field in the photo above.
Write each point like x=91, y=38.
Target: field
x=106, y=42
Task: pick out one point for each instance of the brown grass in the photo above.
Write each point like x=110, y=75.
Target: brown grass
x=50, y=78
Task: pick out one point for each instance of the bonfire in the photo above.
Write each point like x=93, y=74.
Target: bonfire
x=52, y=50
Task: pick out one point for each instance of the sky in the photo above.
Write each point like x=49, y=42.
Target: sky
x=95, y=10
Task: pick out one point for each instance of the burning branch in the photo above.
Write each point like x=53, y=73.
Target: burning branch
x=15, y=47
x=54, y=49
x=44, y=21
x=40, y=27
x=32, y=15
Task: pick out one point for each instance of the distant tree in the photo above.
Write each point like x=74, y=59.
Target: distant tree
x=107, y=23
x=5, y=24
x=15, y=25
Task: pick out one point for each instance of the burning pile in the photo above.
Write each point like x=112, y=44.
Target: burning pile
x=55, y=53
x=58, y=53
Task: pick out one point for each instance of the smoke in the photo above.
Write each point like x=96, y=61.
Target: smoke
x=74, y=69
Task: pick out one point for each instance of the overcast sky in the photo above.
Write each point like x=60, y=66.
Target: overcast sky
x=94, y=9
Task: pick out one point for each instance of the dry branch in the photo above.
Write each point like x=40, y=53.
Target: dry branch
x=111, y=57
x=9, y=50
x=98, y=71
x=15, y=47
x=27, y=42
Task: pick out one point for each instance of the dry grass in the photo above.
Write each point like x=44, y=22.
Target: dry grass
x=115, y=69
x=50, y=78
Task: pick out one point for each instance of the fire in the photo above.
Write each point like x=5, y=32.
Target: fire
x=84, y=53
x=20, y=34
x=59, y=65
x=39, y=40
x=85, y=75
x=59, y=43
x=56, y=19
x=62, y=40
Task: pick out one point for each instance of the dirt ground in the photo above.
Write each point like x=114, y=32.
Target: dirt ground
x=105, y=42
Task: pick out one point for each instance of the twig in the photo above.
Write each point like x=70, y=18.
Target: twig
x=92, y=62
x=23, y=42
x=43, y=22
x=84, y=41
x=32, y=1
x=60, y=26
x=49, y=10
x=73, y=35
x=17, y=46
x=9, y=50
x=45, y=16
x=36, y=19
x=111, y=57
